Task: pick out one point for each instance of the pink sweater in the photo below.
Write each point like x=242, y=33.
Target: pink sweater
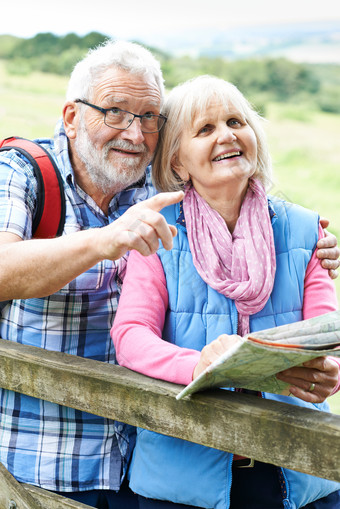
x=137, y=329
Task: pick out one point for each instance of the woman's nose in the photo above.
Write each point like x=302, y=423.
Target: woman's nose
x=226, y=134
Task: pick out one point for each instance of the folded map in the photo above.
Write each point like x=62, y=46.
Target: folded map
x=255, y=359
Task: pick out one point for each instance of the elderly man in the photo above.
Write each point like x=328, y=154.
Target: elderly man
x=61, y=294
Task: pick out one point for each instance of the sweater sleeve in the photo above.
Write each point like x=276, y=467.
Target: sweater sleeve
x=319, y=294
x=139, y=321
x=319, y=289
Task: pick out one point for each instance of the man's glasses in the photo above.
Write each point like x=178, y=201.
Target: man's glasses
x=121, y=119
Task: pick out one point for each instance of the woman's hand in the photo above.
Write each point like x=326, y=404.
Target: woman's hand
x=212, y=351
x=313, y=381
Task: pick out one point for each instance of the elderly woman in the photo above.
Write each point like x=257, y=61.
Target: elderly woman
x=242, y=261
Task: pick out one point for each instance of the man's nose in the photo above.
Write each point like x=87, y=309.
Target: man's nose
x=134, y=132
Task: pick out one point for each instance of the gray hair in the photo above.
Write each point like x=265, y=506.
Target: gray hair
x=182, y=105
x=128, y=56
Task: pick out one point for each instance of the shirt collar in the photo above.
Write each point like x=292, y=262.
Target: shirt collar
x=137, y=185
x=181, y=219
x=61, y=149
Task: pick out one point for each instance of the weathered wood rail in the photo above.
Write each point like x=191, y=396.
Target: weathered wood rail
x=277, y=433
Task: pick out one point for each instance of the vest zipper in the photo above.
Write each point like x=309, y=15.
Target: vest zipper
x=230, y=476
x=282, y=481
x=234, y=319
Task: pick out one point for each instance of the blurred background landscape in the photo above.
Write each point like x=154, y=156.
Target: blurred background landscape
x=289, y=69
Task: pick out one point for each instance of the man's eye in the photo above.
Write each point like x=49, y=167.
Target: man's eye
x=115, y=111
x=148, y=115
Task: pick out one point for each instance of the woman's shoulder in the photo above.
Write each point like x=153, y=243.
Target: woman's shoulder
x=285, y=210
x=290, y=221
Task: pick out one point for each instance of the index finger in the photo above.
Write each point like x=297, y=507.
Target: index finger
x=161, y=200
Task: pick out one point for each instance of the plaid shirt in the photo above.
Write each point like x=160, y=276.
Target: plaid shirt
x=41, y=443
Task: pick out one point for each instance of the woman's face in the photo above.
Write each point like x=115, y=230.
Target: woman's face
x=219, y=149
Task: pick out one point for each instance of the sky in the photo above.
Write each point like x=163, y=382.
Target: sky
x=139, y=19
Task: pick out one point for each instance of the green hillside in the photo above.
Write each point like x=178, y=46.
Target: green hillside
x=304, y=142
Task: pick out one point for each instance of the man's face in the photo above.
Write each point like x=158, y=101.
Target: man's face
x=114, y=159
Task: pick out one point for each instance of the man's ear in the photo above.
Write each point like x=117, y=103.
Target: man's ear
x=70, y=118
x=178, y=168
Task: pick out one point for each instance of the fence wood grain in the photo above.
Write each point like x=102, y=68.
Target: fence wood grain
x=14, y=495
x=278, y=433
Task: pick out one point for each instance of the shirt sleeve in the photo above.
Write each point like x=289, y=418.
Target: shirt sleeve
x=18, y=190
x=319, y=294
x=139, y=321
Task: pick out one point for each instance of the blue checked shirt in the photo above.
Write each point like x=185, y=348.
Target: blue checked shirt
x=41, y=443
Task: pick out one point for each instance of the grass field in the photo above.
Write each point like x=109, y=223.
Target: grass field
x=304, y=143
x=306, y=160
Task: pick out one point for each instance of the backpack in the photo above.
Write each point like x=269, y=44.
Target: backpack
x=49, y=216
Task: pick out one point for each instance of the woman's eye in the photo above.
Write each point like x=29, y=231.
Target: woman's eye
x=234, y=122
x=206, y=129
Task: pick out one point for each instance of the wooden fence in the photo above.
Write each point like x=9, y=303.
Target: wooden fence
x=268, y=431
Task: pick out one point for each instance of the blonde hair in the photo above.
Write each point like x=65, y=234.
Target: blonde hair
x=182, y=105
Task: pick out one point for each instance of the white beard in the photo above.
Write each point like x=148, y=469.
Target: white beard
x=102, y=172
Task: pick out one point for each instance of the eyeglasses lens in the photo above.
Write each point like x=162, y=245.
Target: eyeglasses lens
x=123, y=119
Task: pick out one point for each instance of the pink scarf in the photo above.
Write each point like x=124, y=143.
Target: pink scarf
x=241, y=265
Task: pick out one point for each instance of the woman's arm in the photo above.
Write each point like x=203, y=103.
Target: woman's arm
x=319, y=289
x=138, y=325
x=320, y=295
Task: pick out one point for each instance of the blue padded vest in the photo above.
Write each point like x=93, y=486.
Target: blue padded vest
x=171, y=469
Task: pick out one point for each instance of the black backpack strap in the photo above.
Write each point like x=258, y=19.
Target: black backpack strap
x=49, y=216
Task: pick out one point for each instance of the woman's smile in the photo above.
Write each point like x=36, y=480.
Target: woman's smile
x=228, y=155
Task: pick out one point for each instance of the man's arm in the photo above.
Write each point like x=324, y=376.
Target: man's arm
x=40, y=267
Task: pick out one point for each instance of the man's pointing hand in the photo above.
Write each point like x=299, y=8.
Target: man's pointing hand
x=141, y=227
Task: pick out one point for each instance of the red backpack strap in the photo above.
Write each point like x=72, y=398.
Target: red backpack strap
x=49, y=216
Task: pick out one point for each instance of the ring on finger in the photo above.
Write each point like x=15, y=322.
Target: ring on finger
x=312, y=387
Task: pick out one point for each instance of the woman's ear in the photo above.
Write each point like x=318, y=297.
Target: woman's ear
x=179, y=169
x=70, y=119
